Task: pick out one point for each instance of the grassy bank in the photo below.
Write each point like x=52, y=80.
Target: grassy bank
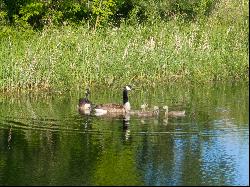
x=208, y=50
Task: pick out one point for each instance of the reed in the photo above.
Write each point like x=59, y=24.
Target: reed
x=66, y=58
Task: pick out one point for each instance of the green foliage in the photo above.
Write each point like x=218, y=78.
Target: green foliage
x=213, y=48
x=102, y=10
x=66, y=11
x=162, y=53
x=191, y=9
x=31, y=10
x=30, y=14
x=3, y=15
x=40, y=13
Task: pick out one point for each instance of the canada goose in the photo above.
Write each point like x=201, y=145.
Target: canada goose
x=84, y=103
x=174, y=113
x=114, y=108
x=146, y=113
x=149, y=113
x=144, y=106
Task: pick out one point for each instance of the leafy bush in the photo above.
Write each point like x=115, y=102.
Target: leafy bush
x=39, y=13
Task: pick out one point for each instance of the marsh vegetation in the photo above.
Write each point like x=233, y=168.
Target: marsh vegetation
x=149, y=43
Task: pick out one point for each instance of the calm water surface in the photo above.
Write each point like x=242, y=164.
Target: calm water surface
x=45, y=141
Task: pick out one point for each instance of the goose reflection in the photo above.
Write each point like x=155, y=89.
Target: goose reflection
x=126, y=130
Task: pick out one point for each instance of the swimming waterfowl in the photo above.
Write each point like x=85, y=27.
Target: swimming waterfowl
x=144, y=106
x=84, y=103
x=113, y=108
x=145, y=113
x=149, y=113
x=174, y=113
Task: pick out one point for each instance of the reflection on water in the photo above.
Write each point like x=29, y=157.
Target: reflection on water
x=45, y=141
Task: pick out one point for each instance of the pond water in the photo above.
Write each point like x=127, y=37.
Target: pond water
x=45, y=141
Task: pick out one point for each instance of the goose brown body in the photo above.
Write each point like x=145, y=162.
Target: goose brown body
x=146, y=113
x=174, y=113
x=111, y=107
x=114, y=108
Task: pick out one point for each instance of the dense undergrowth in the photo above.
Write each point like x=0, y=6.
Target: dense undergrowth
x=208, y=48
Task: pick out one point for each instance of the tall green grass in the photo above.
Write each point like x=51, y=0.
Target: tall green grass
x=208, y=50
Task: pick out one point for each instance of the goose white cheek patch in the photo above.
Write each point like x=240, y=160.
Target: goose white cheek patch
x=128, y=88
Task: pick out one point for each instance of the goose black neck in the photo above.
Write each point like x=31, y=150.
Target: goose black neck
x=125, y=96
